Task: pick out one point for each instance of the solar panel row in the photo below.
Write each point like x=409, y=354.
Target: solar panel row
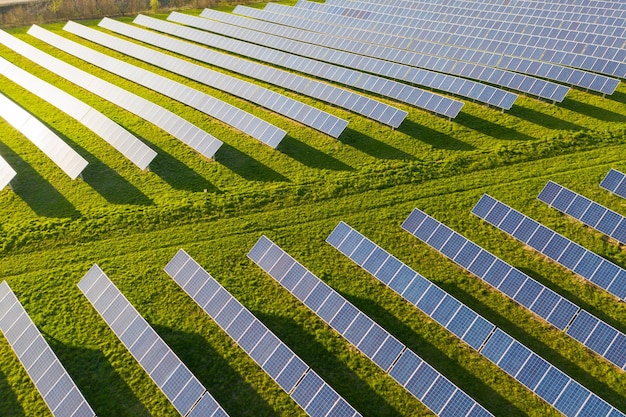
x=614, y=182
x=290, y=372
x=7, y=173
x=581, y=208
x=167, y=371
x=526, y=291
x=565, y=252
x=231, y=115
x=541, y=88
x=178, y=127
x=349, y=100
x=56, y=387
x=368, y=62
x=421, y=380
x=279, y=103
x=483, y=52
x=497, y=346
x=367, y=82
x=121, y=139
x=45, y=139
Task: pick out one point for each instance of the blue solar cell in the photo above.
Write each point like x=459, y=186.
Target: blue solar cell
x=540, y=238
x=388, y=269
x=228, y=313
x=266, y=346
x=421, y=380
x=571, y=256
x=431, y=299
x=322, y=403
x=344, y=317
x=318, y=296
x=350, y=243
x=526, y=229
x=608, y=224
x=533, y=371
x=292, y=373
x=461, y=321
x=305, y=286
x=595, y=406
x=593, y=214
x=497, y=213
x=459, y=405
x=601, y=338
x=578, y=206
x=338, y=234
x=528, y=293
x=375, y=260
x=617, y=351
x=513, y=282
x=467, y=255
x=412, y=222
x=143, y=343
x=563, y=313
x=552, y=385
x=133, y=331
x=582, y=326
x=549, y=192
x=270, y=258
x=425, y=229
x=402, y=279
x=205, y=407
x=564, y=199
x=373, y=340
x=514, y=358
x=405, y=366
x=545, y=303
x=484, y=206
x=362, y=252
x=259, y=249
x=388, y=353
x=448, y=307
x=572, y=399
x=306, y=389
x=620, y=229
x=618, y=286
x=281, y=267
x=439, y=394
x=252, y=335
x=357, y=330
x=588, y=265
x=482, y=263
x=478, y=333
x=496, y=274
x=496, y=346
x=217, y=303
x=555, y=247
x=612, y=179
x=293, y=276
x=331, y=307
x=240, y=324
x=511, y=222
x=277, y=361
x=439, y=236
x=453, y=245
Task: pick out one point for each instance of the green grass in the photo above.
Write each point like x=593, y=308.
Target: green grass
x=131, y=223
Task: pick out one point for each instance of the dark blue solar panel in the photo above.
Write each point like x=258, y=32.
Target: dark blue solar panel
x=563, y=313
x=453, y=245
x=514, y=358
x=439, y=237
x=545, y=303
x=595, y=407
x=412, y=222
x=513, y=282
x=608, y=223
x=426, y=229
x=578, y=206
x=416, y=289
x=344, y=317
x=431, y=299
x=511, y=222
x=540, y=238
x=528, y=293
x=496, y=346
x=588, y=265
x=372, y=341
x=459, y=405
x=388, y=269
x=617, y=351
x=612, y=180
x=375, y=261
x=444, y=312
x=317, y=297
x=496, y=274
x=618, y=286
x=601, y=338
x=467, y=255
x=405, y=367
x=338, y=234
x=388, y=353
x=496, y=214
x=439, y=394
x=482, y=208
x=358, y=329
x=349, y=244
x=582, y=326
x=593, y=214
x=331, y=307
x=293, y=276
x=533, y=371
x=362, y=252
x=563, y=199
x=462, y=321
x=402, y=279
x=526, y=229
x=306, y=389
x=482, y=263
x=572, y=399
x=549, y=192
x=421, y=380
x=552, y=385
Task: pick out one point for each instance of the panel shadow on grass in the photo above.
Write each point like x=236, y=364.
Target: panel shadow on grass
x=587, y=109
x=463, y=379
x=544, y=120
x=372, y=146
x=35, y=190
x=226, y=385
x=332, y=370
x=310, y=156
x=246, y=166
x=433, y=138
x=491, y=129
x=105, y=390
x=10, y=406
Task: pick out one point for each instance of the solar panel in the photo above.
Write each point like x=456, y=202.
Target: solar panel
x=121, y=139
x=565, y=252
x=231, y=115
x=279, y=103
x=178, y=127
x=167, y=371
x=7, y=173
x=290, y=372
x=346, y=99
x=384, y=67
x=45, y=139
x=614, y=182
x=433, y=42
x=545, y=89
x=581, y=208
x=56, y=387
x=536, y=297
x=367, y=82
x=425, y=383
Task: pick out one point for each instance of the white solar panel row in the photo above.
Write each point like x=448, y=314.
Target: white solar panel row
x=56, y=387
x=355, y=58
x=45, y=139
x=290, y=372
x=283, y=25
x=231, y=115
x=167, y=371
x=279, y=103
x=491, y=53
x=7, y=173
x=458, y=35
x=425, y=383
x=121, y=139
x=368, y=82
x=349, y=100
x=178, y=127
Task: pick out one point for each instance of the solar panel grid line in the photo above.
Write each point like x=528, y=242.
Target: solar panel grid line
x=379, y=111
x=614, y=183
x=210, y=105
x=166, y=370
x=201, y=141
x=319, y=399
x=56, y=387
x=122, y=140
x=617, y=282
x=361, y=331
x=373, y=62
x=7, y=173
x=418, y=39
x=369, y=82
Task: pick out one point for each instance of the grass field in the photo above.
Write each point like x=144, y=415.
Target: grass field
x=131, y=223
